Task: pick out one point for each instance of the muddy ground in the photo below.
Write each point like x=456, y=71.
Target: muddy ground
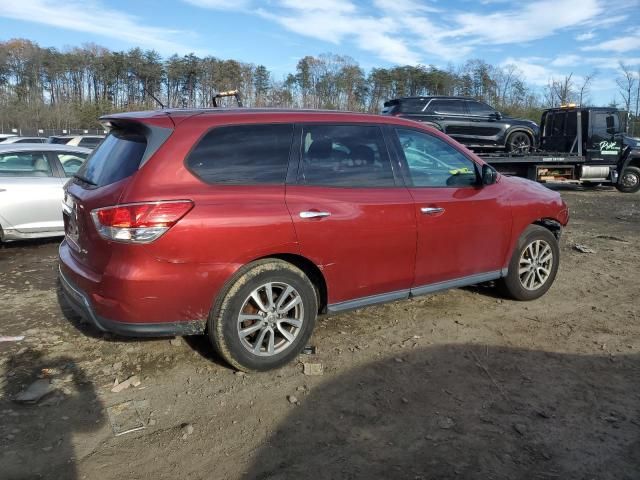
x=461, y=384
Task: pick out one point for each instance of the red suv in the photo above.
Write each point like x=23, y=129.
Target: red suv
x=245, y=224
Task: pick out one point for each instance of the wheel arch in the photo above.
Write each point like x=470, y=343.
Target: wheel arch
x=520, y=128
x=311, y=270
x=550, y=224
x=632, y=160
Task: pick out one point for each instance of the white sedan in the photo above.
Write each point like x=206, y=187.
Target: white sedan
x=31, y=181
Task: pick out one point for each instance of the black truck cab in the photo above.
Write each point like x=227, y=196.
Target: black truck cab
x=583, y=144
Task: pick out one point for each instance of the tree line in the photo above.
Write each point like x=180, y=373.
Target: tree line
x=43, y=87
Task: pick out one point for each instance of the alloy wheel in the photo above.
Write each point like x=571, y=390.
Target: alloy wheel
x=536, y=262
x=270, y=319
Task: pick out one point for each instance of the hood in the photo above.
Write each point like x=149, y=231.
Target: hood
x=529, y=186
x=633, y=142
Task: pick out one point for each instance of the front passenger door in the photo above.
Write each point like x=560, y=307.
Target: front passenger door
x=463, y=227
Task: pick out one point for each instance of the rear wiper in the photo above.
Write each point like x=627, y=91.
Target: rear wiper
x=86, y=180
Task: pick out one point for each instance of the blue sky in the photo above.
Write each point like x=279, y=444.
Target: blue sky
x=543, y=38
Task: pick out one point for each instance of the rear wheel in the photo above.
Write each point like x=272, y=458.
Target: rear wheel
x=533, y=266
x=519, y=142
x=629, y=181
x=265, y=317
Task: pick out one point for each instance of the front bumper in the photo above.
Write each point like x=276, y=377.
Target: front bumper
x=81, y=305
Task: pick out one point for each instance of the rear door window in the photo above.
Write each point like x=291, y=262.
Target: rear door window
x=345, y=156
x=447, y=106
x=25, y=164
x=243, y=154
x=118, y=157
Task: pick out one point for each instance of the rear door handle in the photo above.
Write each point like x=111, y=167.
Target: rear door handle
x=432, y=210
x=314, y=214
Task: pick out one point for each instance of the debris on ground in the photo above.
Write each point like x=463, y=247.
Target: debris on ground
x=583, y=248
x=125, y=418
x=312, y=369
x=35, y=392
x=446, y=423
x=520, y=428
x=17, y=338
x=176, y=342
x=187, y=429
x=293, y=399
x=309, y=350
x=133, y=381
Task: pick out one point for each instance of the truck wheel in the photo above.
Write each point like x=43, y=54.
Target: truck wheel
x=533, y=266
x=264, y=317
x=519, y=142
x=629, y=181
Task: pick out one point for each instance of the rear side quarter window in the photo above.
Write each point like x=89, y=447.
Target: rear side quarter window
x=243, y=154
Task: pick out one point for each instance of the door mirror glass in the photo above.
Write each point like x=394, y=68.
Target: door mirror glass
x=496, y=116
x=489, y=175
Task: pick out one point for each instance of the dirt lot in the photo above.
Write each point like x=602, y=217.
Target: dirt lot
x=460, y=384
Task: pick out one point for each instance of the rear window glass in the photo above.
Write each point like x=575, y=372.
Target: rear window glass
x=243, y=154
x=116, y=158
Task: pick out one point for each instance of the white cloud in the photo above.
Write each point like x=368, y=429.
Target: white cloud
x=221, y=4
x=583, y=37
x=620, y=44
x=531, y=22
x=408, y=31
x=568, y=60
x=92, y=17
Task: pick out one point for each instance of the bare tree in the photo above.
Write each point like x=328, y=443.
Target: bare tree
x=626, y=85
x=559, y=92
x=585, y=88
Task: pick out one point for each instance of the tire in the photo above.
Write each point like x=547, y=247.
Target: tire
x=520, y=286
x=266, y=346
x=519, y=142
x=629, y=181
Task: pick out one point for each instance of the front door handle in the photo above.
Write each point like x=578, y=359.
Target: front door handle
x=432, y=210
x=314, y=214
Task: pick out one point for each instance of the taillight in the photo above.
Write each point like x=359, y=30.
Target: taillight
x=139, y=222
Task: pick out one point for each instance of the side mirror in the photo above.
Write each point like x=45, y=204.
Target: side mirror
x=489, y=175
x=495, y=116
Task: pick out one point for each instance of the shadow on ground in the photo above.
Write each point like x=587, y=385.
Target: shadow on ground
x=36, y=439
x=467, y=412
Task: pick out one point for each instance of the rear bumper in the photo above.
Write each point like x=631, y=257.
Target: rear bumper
x=79, y=301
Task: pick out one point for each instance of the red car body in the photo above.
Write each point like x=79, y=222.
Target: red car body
x=376, y=246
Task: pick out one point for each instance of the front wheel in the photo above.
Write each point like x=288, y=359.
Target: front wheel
x=629, y=181
x=519, y=142
x=265, y=317
x=533, y=266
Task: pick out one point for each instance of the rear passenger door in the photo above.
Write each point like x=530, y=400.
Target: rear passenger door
x=451, y=115
x=30, y=193
x=352, y=215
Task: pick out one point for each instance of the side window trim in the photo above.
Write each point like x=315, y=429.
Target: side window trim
x=296, y=165
x=404, y=166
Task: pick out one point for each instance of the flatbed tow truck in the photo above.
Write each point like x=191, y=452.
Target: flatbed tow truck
x=577, y=144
